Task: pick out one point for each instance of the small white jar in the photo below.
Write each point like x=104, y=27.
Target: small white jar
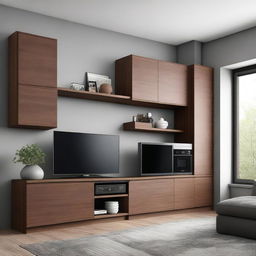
x=161, y=123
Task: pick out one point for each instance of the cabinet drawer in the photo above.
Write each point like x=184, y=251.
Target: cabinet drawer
x=58, y=203
x=37, y=106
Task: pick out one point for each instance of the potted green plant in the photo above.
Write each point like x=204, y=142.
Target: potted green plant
x=31, y=156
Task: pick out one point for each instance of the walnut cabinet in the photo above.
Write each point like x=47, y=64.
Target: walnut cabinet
x=37, y=203
x=32, y=81
x=150, y=80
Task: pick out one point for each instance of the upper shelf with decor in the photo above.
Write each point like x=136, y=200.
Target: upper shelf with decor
x=114, y=98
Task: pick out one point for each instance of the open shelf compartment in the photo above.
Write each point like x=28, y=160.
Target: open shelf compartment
x=99, y=203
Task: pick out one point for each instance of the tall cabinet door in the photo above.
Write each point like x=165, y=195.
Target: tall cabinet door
x=172, y=87
x=55, y=203
x=144, y=79
x=151, y=196
x=203, y=120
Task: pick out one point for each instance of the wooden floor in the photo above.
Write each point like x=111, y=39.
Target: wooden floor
x=10, y=240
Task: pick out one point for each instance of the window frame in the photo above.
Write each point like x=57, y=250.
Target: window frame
x=236, y=73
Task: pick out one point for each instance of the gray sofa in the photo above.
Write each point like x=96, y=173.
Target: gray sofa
x=237, y=216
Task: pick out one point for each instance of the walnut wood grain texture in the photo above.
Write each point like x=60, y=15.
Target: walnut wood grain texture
x=203, y=191
x=197, y=119
x=13, y=80
x=134, y=126
x=18, y=205
x=184, y=193
x=37, y=60
x=113, y=98
x=32, y=62
x=172, y=83
x=203, y=120
x=59, y=203
x=102, y=179
x=144, y=79
x=151, y=196
x=137, y=77
x=37, y=106
x=123, y=76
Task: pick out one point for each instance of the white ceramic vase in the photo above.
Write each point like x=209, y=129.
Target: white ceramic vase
x=32, y=172
x=161, y=123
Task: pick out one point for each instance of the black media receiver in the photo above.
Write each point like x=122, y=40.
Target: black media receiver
x=110, y=188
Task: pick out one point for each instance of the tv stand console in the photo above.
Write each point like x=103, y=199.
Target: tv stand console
x=37, y=203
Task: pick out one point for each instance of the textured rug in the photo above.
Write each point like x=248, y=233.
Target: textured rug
x=192, y=237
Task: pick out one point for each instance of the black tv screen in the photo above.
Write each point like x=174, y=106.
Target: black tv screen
x=155, y=159
x=84, y=153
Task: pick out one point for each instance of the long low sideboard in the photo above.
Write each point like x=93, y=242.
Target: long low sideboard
x=37, y=203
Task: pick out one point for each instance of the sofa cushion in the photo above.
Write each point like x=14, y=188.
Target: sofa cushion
x=243, y=207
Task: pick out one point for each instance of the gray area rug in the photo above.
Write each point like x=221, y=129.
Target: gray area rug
x=191, y=237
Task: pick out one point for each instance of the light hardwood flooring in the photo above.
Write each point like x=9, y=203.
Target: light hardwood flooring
x=10, y=240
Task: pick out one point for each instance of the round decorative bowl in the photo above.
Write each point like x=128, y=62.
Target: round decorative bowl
x=161, y=123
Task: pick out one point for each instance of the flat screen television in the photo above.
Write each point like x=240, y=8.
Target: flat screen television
x=155, y=159
x=85, y=154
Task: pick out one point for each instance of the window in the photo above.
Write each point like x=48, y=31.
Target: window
x=244, y=125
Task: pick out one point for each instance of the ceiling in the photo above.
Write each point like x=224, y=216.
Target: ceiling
x=168, y=21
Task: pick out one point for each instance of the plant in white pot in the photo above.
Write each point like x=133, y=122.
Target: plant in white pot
x=31, y=156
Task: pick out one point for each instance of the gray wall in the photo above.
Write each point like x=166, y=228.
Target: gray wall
x=80, y=49
x=223, y=55
x=189, y=53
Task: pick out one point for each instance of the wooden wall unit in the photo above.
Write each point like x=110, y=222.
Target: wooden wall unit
x=38, y=203
x=197, y=119
x=32, y=81
x=149, y=80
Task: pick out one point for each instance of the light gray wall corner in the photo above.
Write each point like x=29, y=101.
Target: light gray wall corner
x=223, y=55
x=189, y=53
x=80, y=48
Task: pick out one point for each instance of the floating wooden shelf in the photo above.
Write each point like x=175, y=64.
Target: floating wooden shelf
x=114, y=98
x=111, y=196
x=104, y=216
x=92, y=95
x=132, y=126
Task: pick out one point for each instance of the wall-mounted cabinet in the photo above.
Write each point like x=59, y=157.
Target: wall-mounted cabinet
x=145, y=79
x=32, y=81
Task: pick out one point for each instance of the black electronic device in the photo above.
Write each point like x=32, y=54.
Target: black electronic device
x=165, y=158
x=110, y=188
x=85, y=154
